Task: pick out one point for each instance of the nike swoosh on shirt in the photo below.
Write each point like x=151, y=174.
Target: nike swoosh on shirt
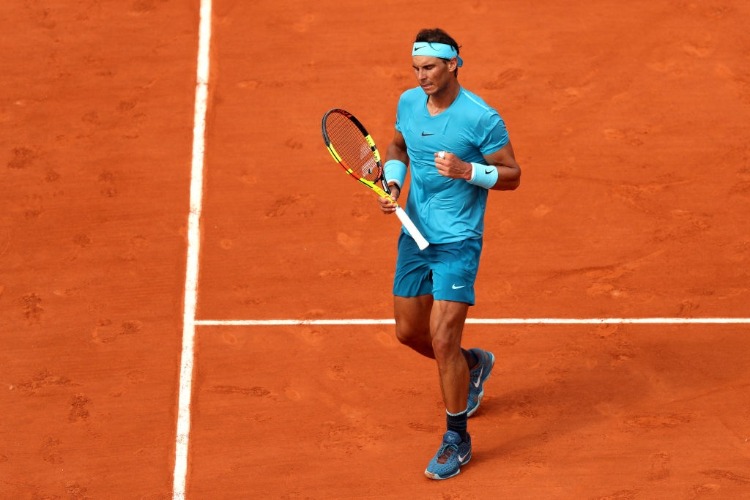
x=425, y=134
x=457, y=287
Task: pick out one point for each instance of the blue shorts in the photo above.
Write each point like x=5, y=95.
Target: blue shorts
x=446, y=271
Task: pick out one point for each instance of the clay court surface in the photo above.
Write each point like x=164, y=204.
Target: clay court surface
x=631, y=123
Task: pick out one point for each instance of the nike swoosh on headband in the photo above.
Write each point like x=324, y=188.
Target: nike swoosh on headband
x=434, y=49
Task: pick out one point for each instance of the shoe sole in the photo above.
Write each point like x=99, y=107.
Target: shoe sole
x=438, y=477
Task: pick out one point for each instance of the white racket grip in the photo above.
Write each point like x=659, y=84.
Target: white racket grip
x=413, y=231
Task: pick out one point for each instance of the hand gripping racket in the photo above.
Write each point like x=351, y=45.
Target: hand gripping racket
x=352, y=147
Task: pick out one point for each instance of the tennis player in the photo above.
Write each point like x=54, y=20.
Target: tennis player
x=457, y=149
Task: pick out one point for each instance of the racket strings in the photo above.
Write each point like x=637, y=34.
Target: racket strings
x=352, y=147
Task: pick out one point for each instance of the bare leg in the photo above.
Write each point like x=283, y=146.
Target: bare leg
x=413, y=323
x=446, y=324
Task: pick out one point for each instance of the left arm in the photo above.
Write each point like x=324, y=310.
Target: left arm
x=508, y=170
x=504, y=160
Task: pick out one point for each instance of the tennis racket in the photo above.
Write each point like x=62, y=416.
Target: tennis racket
x=352, y=147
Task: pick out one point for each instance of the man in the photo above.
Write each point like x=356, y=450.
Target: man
x=457, y=148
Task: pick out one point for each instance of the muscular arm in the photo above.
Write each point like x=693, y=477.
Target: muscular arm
x=396, y=151
x=508, y=170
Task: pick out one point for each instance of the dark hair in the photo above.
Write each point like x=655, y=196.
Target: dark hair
x=437, y=35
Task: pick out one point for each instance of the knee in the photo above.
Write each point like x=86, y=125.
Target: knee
x=442, y=347
x=407, y=336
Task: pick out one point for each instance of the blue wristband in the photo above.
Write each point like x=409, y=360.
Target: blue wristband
x=395, y=171
x=483, y=175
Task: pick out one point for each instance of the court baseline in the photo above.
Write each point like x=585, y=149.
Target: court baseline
x=483, y=321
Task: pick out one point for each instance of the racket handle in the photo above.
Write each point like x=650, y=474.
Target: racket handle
x=411, y=228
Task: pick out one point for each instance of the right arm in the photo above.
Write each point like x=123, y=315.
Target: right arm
x=396, y=151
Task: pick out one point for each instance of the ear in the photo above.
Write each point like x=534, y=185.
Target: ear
x=453, y=64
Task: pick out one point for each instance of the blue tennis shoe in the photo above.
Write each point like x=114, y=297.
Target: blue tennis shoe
x=477, y=378
x=453, y=453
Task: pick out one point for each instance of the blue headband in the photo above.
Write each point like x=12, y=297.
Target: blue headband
x=441, y=50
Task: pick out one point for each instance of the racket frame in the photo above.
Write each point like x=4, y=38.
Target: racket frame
x=384, y=191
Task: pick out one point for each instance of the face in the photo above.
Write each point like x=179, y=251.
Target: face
x=433, y=74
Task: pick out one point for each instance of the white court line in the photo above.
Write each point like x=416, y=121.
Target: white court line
x=481, y=321
x=182, y=437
